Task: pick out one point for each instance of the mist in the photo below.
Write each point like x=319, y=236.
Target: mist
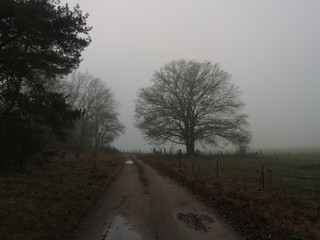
x=271, y=49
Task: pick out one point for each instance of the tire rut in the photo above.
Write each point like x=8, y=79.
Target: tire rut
x=157, y=211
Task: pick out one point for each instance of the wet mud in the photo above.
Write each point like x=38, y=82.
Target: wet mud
x=121, y=230
x=129, y=162
x=195, y=221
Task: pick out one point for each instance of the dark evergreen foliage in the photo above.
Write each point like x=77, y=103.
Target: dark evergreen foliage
x=40, y=41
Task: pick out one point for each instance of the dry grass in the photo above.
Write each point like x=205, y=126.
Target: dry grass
x=256, y=213
x=48, y=203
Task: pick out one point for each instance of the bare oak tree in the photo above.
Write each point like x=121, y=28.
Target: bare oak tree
x=189, y=103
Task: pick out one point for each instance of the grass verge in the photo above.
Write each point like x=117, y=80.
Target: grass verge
x=48, y=203
x=143, y=179
x=258, y=214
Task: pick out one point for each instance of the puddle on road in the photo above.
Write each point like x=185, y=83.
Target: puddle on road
x=129, y=162
x=120, y=230
x=197, y=222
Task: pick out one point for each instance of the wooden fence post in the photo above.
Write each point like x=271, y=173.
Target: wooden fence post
x=262, y=169
x=217, y=167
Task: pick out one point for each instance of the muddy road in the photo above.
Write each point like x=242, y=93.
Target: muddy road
x=155, y=208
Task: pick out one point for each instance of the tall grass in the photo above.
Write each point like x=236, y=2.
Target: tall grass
x=48, y=203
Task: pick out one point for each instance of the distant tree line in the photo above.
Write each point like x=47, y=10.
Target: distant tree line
x=40, y=43
x=99, y=124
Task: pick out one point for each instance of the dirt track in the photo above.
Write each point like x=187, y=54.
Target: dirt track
x=162, y=210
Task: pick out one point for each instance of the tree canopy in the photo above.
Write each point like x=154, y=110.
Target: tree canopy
x=40, y=41
x=99, y=124
x=191, y=102
x=40, y=37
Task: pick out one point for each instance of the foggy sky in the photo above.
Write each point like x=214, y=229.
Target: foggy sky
x=271, y=48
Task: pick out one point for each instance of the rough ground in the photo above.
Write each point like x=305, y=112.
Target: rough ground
x=161, y=210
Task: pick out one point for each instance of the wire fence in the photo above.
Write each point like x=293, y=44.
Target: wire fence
x=291, y=172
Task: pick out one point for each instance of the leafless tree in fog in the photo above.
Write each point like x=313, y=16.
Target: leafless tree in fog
x=99, y=124
x=191, y=102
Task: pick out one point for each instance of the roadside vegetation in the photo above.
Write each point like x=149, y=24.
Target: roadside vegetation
x=142, y=178
x=49, y=202
x=288, y=209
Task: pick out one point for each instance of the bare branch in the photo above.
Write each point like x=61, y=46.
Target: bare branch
x=189, y=103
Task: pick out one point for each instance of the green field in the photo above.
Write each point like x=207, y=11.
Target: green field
x=294, y=174
x=287, y=208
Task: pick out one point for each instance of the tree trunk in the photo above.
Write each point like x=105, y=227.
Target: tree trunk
x=190, y=148
x=190, y=140
x=82, y=139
